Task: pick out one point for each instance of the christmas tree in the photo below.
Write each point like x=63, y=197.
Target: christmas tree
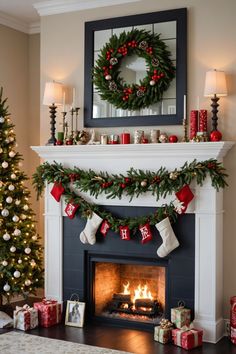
x=20, y=252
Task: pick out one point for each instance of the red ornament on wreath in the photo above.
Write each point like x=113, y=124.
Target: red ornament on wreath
x=105, y=228
x=215, y=135
x=146, y=233
x=70, y=209
x=57, y=191
x=124, y=233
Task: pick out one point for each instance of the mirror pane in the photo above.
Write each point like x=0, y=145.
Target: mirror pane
x=166, y=29
x=133, y=69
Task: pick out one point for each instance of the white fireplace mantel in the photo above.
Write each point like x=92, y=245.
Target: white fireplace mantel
x=207, y=206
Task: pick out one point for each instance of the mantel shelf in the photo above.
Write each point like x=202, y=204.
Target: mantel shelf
x=203, y=150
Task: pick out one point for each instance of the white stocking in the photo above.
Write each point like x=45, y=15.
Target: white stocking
x=170, y=241
x=88, y=235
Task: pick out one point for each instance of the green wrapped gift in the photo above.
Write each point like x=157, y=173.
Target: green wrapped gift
x=180, y=316
x=162, y=335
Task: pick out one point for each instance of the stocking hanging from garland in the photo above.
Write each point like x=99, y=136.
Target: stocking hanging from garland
x=184, y=197
x=105, y=228
x=124, y=233
x=146, y=233
x=88, y=235
x=70, y=209
x=169, y=239
x=57, y=191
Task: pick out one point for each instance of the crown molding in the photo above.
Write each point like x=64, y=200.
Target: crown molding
x=12, y=22
x=54, y=7
x=34, y=28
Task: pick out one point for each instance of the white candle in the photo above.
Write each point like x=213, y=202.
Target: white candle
x=73, y=100
x=184, y=106
x=63, y=101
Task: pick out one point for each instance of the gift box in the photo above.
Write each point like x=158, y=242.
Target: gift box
x=49, y=312
x=25, y=318
x=187, y=338
x=180, y=316
x=162, y=335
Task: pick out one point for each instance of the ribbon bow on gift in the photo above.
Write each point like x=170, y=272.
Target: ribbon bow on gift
x=26, y=308
x=165, y=324
x=49, y=302
x=187, y=329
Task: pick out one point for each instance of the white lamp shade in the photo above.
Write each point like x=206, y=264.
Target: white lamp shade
x=52, y=94
x=215, y=84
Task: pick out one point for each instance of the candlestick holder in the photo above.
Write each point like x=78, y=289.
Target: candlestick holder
x=185, y=126
x=64, y=126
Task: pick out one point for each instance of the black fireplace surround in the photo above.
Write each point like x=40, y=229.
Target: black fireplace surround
x=79, y=261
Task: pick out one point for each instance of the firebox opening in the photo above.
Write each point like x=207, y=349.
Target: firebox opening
x=133, y=292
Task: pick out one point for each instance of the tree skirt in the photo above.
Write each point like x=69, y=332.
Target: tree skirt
x=22, y=343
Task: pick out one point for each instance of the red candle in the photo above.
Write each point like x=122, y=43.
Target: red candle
x=203, y=120
x=193, y=123
x=125, y=138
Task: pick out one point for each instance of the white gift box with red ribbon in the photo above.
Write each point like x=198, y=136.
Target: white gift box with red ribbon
x=25, y=318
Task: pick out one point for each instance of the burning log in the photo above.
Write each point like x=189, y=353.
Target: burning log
x=144, y=303
x=120, y=297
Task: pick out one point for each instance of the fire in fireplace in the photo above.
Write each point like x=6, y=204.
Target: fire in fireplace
x=131, y=292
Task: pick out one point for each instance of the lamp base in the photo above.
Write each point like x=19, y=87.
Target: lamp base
x=52, y=140
x=214, y=111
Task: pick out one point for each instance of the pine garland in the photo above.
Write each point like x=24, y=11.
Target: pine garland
x=135, y=182
x=159, y=70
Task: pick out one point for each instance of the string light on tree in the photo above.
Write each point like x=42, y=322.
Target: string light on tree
x=15, y=212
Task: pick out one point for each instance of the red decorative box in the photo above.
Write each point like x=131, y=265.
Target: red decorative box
x=49, y=312
x=187, y=339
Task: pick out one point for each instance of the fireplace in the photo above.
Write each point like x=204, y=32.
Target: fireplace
x=98, y=273
x=206, y=209
x=129, y=290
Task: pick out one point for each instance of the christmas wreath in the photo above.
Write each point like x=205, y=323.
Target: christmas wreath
x=159, y=67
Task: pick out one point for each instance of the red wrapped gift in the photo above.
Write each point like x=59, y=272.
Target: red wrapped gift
x=49, y=312
x=187, y=338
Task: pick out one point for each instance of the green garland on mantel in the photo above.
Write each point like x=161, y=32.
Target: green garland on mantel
x=133, y=183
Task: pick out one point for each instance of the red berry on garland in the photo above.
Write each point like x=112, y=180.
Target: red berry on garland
x=215, y=135
x=173, y=139
x=127, y=180
x=103, y=185
x=122, y=185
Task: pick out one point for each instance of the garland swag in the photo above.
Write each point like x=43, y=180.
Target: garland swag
x=134, y=183
x=159, y=70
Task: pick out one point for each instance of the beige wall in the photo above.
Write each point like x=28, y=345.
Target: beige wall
x=20, y=78
x=211, y=44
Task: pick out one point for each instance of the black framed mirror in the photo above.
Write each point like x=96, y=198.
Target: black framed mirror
x=171, y=27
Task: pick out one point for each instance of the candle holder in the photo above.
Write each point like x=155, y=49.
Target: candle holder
x=185, y=126
x=64, y=126
x=74, y=119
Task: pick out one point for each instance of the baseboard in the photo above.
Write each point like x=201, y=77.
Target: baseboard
x=227, y=327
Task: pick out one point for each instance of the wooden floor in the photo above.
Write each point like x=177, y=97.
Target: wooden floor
x=134, y=341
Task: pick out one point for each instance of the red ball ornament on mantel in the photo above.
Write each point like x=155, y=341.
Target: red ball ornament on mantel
x=215, y=135
x=173, y=139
